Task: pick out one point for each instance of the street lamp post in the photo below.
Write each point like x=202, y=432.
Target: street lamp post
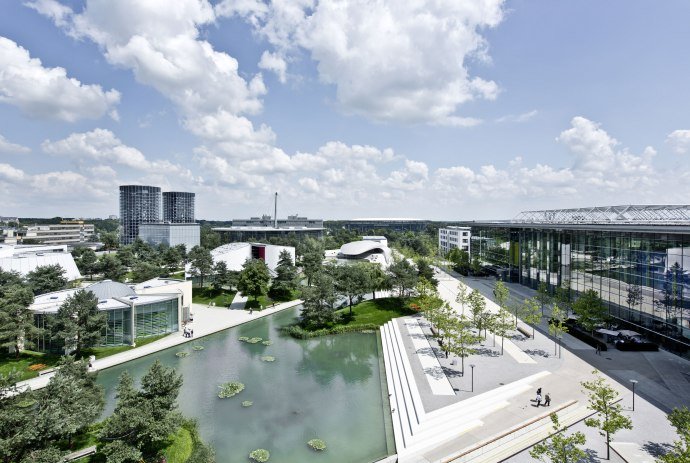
x=633, y=381
x=472, y=366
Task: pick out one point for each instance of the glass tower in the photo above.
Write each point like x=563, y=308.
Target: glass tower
x=138, y=204
x=178, y=207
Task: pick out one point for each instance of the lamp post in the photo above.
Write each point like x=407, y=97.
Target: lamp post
x=472, y=366
x=633, y=381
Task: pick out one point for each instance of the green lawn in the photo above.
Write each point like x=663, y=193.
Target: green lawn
x=207, y=295
x=180, y=448
x=9, y=362
x=104, y=351
x=377, y=312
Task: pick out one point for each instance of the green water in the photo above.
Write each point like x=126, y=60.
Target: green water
x=328, y=388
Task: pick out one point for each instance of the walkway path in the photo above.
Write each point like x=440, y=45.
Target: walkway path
x=432, y=369
x=207, y=320
x=238, y=301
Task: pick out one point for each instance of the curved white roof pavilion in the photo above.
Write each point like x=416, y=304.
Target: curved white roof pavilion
x=366, y=250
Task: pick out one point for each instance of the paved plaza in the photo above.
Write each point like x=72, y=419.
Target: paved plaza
x=498, y=396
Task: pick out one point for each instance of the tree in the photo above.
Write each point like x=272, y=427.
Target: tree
x=530, y=313
x=111, y=268
x=16, y=319
x=478, y=309
x=557, y=327
x=602, y=401
x=403, y=277
x=559, y=448
x=502, y=324
x=680, y=453
x=543, y=296
x=424, y=270
x=460, y=259
x=462, y=297
x=87, y=262
x=562, y=297
x=377, y=278
x=428, y=301
x=110, y=240
x=501, y=294
x=446, y=322
x=254, y=278
x=17, y=430
x=286, y=281
x=70, y=402
x=351, y=281
x=201, y=263
x=476, y=266
x=172, y=257
x=319, y=302
x=143, y=419
x=590, y=310
x=461, y=339
x=220, y=275
x=126, y=256
x=209, y=239
x=78, y=322
x=144, y=271
x=46, y=279
x=312, y=258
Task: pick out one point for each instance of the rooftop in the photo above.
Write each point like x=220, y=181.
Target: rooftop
x=267, y=229
x=638, y=214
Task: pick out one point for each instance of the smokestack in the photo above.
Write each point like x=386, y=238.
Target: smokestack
x=275, y=212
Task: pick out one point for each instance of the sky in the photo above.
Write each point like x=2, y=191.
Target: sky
x=433, y=109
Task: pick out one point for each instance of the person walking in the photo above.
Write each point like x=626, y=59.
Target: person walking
x=547, y=400
x=539, y=391
x=538, y=399
x=598, y=349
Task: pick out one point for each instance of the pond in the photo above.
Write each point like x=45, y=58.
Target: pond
x=331, y=388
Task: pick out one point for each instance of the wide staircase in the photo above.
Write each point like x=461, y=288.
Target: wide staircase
x=418, y=432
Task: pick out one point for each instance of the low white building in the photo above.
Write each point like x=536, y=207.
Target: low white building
x=65, y=232
x=378, y=239
x=27, y=258
x=236, y=254
x=370, y=250
x=454, y=237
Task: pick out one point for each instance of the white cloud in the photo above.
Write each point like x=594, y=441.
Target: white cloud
x=275, y=63
x=11, y=174
x=389, y=60
x=679, y=140
x=523, y=117
x=7, y=147
x=47, y=92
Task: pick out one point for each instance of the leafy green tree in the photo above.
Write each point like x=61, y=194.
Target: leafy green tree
x=502, y=324
x=87, y=262
x=559, y=448
x=403, y=277
x=312, y=258
x=201, y=263
x=351, y=281
x=609, y=417
x=562, y=297
x=144, y=271
x=111, y=268
x=209, y=239
x=460, y=259
x=634, y=296
x=17, y=430
x=286, y=281
x=254, y=278
x=445, y=322
x=424, y=270
x=143, y=419
x=501, y=294
x=590, y=310
x=78, y=322
x=173, y=257
x=477, y=305
x=17, y=327
x=461, y=339
x=110, y=240
x=378, y=279
x=220, y=275
x=8, y=279
x=557, y=327
x=46, y=279
x=428, y=301
x=70, y=402
x=45, y=455
x=319, y=302
x=476, y=266
x=126, y=256
x=463, y=296
x=680, y=453
x=531, y=313
x=543, y=296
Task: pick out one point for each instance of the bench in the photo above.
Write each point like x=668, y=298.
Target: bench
x=80, y=454
x=524, y=331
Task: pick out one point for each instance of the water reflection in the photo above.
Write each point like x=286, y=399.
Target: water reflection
x=350, y=358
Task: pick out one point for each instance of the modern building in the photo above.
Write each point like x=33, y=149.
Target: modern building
x=138, y=204
x=371, y=250
x=292, y=221
x=454, y=237
x=66, y=232
x=24, y=259
x=178, y=207
x=236, y=254
x=152, y=310
x=399, y=225
x=171, y=234
x=618, y=251
x=241, y=234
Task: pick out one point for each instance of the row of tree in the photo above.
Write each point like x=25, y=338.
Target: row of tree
x=40, y=426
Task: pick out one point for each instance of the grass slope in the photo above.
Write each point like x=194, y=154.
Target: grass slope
x=207, y=295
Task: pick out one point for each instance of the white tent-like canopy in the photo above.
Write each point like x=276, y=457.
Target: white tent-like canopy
x=24, y=260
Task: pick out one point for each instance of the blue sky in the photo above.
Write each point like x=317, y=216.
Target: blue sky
x=426, y=108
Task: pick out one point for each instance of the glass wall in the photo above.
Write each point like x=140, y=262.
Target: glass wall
x=157, y=318
x=644, y=278
x=118, y=328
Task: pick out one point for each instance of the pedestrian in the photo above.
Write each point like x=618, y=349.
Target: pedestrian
x=538, y=400
x=251, y=310
x=598, y=348
x=539, y=391
x=547, y=400
x=191, y=333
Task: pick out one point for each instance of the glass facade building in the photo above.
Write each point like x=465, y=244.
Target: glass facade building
x=641, y=271
x=138, y=204
x=171, y=234
x=178, y=207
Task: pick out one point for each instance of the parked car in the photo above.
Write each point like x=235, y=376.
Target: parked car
x=633, y=343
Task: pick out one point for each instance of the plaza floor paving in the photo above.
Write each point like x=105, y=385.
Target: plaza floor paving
x=207, y=320
x=659, y=375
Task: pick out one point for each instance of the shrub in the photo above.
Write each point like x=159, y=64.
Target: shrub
x=317, y=444
x=182, y=354
x=267, y=342
x=260, y=455
x=254, y=340
x=243, y=338
x=230, y=389
x=268, y=358
x=247, y=403
x=198, y=347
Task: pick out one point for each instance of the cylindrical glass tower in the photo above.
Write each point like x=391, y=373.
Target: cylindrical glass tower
x=138, y=204
x=178, y=207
